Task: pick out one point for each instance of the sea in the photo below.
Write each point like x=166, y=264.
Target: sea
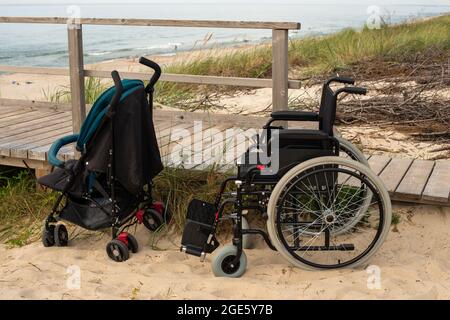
x=46, y=45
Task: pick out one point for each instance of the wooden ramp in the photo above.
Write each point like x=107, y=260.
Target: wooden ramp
x=27, y=133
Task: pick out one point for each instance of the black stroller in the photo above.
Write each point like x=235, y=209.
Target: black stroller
x=110, y=185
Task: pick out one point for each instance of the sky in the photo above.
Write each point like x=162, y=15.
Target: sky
x=306, y=2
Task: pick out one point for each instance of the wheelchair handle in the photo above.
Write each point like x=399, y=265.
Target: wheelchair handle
x=353, y=90
x=345, y=80
x=152, y=65
x=119, y=88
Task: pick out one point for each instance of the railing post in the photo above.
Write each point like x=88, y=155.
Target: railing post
x=280, y=69
x=76, y=67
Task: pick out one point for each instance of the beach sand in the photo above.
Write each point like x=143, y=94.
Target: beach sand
x=414, y=264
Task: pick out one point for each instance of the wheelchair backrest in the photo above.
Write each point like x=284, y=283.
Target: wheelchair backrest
x=327, y=110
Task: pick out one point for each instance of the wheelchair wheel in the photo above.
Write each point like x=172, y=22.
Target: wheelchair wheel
x=322, y=195
x=349, y=151
x=221, y=266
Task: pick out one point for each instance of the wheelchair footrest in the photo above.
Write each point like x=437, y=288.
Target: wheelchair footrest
x=198, y=234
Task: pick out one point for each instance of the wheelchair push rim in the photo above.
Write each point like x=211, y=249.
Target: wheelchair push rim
x=319, y=196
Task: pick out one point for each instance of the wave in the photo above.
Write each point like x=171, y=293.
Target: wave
x=98, y=53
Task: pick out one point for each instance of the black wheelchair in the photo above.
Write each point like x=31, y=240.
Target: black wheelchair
x=325, y=207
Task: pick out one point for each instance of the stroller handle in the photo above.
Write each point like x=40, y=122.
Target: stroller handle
x=152, y=65
x=119, y=89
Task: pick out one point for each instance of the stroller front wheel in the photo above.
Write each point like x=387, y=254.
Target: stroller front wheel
x=60, y=235
x=117, y=250
x=48, y=236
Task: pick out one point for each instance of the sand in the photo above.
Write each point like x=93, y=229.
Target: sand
x=414, y=264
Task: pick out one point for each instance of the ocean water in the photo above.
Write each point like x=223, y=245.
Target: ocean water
x=46, y=45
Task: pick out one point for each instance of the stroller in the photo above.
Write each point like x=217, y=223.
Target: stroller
x=325, y=207
x=110, y=185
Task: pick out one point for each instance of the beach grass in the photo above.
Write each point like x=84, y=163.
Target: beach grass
x=308, y=57
x=314, y=56
x=22, y=207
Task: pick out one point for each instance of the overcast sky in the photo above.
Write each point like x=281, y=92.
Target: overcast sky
x=309, y=2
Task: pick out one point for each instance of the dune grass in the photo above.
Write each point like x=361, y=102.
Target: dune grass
x=22, y=207
x=308, y=57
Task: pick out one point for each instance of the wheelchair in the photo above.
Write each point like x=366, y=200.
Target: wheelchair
x=325, y=207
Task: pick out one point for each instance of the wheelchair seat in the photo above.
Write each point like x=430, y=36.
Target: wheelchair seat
x=297, y=145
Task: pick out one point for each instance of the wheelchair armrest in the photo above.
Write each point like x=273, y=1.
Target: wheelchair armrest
x=56, y=146
x=295, y=116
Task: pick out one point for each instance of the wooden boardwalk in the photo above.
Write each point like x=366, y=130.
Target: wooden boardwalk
x=26, y=135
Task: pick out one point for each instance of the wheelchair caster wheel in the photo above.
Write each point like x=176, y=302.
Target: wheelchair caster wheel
x=117, y=250
x=152, y=219
x=247, y=242
x=61, y=235
x=221, y=263
x=48, y=236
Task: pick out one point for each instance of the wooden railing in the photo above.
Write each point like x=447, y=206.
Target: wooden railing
x=279, y=82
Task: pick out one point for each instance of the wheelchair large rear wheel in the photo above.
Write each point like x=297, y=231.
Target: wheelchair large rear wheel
x=348, y=150
x=320, y=196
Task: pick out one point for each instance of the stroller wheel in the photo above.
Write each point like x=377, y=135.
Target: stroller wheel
x=221, y=263
x=60, y=235
x=132, y=243
x=117, y=250
x=152, y=219
x=163, y=211
x=48, y=239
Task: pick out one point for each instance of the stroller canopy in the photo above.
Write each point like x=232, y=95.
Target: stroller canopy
x=136, y=154
x=100, y=108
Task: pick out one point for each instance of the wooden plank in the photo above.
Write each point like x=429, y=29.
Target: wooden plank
x=36, y=147
x=196, y=79
x=394, y=172
x=5, y=113
x=20, y=118
x=33, y=104
x=17, y=140
x=165, y=77
x=22, y=127
x=415, y=179
x=18, y=162
x=159, y=22
x=280, y=40
x=377, y=163
x=438, y=185
x=76, y=67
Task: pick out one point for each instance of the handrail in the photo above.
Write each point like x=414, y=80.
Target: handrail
x=279, y=82
x=167, y=77
x=158, y=22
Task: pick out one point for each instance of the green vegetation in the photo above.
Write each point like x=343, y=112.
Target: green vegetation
x=22, y=207
x=308, y=57
x=318, y=55
x=93, y=88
